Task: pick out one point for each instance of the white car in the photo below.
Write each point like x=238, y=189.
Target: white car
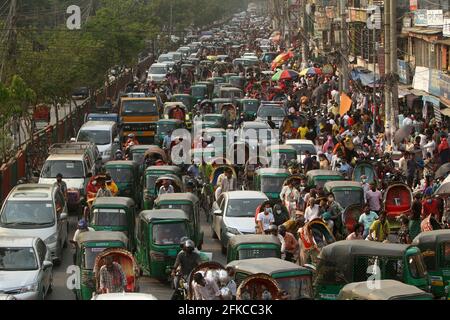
x=302, y=145
x=104, y=134
x=157, y=72
x=234, y=213
x=258, y=136
x=25, y=268
x=36, y=210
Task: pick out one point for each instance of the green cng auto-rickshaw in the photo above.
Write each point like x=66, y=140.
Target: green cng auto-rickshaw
x=190, y=204
x=164, y=126
x=318, y=178
x=126, y=176
x=159, y=234
x=435, y=248
x=114, y=214
x=270, y=181
x=199, y=92
x=186, y=99
x=295, y=280
x=348, y=261
x=151, y=175
x=249, y=107
x=250, y=246
x=384, y=290
x=88, y=246
x=137, y=154
x=281, y=155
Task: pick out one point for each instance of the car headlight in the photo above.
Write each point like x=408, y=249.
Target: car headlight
x=30, y=288
x=51, y=239
x=107, y=152
x=233, y=231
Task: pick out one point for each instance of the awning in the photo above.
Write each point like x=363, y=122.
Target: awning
x=423, y=30
x=446, y=112
x=431, y=99
x=443, y=41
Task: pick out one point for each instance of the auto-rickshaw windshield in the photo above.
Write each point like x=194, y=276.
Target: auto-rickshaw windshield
x=242, y=208
x=150, y=181
x=121, y=175
x=110, y=217
x=417, y=266
x=348, y=197
x=272, y=184
x=188, y=208
x=251, y=106
x=99, y=137
x=168, y=233
x=138, y=157
x=163, y=128
x=249, y=253
x=296, y=287
x=271, y=112
x=89, y=256
x=69, y=169
x=140, y=108
x=198, y=91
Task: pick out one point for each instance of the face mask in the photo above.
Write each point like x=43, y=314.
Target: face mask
x=364, y=180
x=278, y=211
x=94, y=183
x=268, y=210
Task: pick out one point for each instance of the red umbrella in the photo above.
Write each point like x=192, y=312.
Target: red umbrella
x=282, y=58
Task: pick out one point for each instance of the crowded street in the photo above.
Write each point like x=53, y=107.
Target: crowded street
x=237, y=159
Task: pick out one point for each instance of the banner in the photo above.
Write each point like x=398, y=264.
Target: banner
x=435, y=17
x=421, y=79
x=445, y=86
x=446, y=28
x=420, y=17
x=435, y=82
x=403, y=71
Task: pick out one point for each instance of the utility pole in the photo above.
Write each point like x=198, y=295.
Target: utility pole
x=343, y=79
x=387, y=72
x=305, y=46
x=9, y=42
x=171, y=19
x=393, y=60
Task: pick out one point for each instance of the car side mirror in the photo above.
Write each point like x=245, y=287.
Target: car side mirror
x=63, y=216
x=116, y=141
x=47, y=264
x=218, y=212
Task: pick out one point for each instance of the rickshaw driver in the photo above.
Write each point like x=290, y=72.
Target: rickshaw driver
x=166, y=188
x=131, y=139
x=112, y=277
x=187, y=259
x=265, y=218
x=178, y=114
x=104, y=190
x=289, y=195
x=111, y=185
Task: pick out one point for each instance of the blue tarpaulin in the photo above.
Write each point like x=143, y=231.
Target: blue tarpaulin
x=365, y=76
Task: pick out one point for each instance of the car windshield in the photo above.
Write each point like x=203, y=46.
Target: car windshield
x=348, y=197
x=110, y=217
x=163, y=59
x=188, y=208
x=121, y=175
x=272, y=184
x=27, y=213
x=140, y=108
x=99, y=137
x=68, y=168
x=417, y=266
x=89, y=257
x=158, y=70
x=297, y=287
x=169, y=233
x=277, y=112
x=18, y=259
x=242, y=208
x=151, y=181
x=251, y=106
x=164, y=128
x=302, y=148
x=257, y=253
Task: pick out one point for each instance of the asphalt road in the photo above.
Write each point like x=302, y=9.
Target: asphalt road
x=148, y=285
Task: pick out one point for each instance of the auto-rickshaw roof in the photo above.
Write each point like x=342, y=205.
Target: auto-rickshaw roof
x=174, y=169
x=102, y=236
x=270, y=171
x=387, y=290
x=163, y=214
x=315, y=173
x=174, y=104
x=342, y=250
x=141, y=147
x=177, y=197
x=253, y=239
x=230, y=89
x=330, y=185
x=435, y=236
x=184, y=95
x=221, y=100
x=269, y=266
x=281, y=147
x=175, y=121
x=120, y=163
x=114, y=201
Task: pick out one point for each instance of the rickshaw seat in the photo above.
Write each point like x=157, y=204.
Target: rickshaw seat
x=398, y=201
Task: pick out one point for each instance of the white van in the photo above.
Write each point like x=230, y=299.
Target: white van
x=104, y=134
x=37, y=210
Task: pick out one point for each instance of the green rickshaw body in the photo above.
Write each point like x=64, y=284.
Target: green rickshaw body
x=435, y=248
x=346, y=193
x=137, y=153
x=199, y=92
x=249, y=107
x=385, y=290
x=318, y=178
x=251, y=246
x=217, y=80
x=227, y=76
x=151, y=175
x=237, y=82
x=218, y=120
x=88, y=246
x=114, y=214
x=219, y=102
x=209, y=87
x=350, y=261
x=164, y=126
x=159, y=234
x=190, y=204
x=231, y=93
x=270, y=181
x=364, y=168
x=186, y=99
x=207, y=154
x=126, y=175
x=281, y=155
x=292, y=278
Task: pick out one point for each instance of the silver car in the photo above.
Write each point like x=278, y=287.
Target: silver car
x=25, y=268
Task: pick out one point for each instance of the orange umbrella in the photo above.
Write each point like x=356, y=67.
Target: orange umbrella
x=282, y=58
x=346, y=103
